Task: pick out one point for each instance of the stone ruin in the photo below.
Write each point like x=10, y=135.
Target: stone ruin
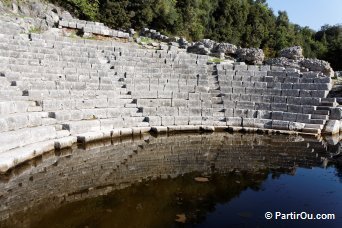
x=56, y=91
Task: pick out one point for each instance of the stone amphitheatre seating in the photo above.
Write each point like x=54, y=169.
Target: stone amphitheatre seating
x=55, y=90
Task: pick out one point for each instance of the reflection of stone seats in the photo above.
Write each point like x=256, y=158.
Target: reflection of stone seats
x=103, y=167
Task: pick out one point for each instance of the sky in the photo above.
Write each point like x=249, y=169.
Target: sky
x=312, y=13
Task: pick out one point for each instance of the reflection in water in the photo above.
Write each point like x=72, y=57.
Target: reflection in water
x=146, y=182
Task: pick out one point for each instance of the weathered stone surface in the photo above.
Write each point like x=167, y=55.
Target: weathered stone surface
x=295, y=53
x=332, y=127
x=294, y=126
x=336, y=113
x=250, y=55
x=226, y=48
x=317, y=65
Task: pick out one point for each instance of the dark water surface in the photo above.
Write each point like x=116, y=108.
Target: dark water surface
x=153, y=181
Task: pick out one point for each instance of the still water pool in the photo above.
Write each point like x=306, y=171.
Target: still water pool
x=185, y=180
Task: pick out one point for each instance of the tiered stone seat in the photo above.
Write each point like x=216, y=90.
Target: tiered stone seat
x=59, y=89
x=283, y=96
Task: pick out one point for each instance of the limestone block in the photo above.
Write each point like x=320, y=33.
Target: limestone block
x=277, y=115
x=183, y=111
x=167, y=111
x=9, y=140
x=84, y=104
x=150, y=111
x=263, y=123
x=305, y=93
x=234, y=121
x=332, y=127
x=168, y=120
x=274, y=85
x=335, y=113
x=78, y=127
x=51, y=105
x=263, y=114
x=154, y=120
x=132, y=121
x=295, y=108
x=229, y=112
x=237, y=84
x=310, y=101
x=245, y=105
x=248, y=84
x=268, y=91
x=248, y=122
x=238, y=90
x=164, y=102
x=290, y=92
x=319, y=93
x=240, y=113
x=90, y=114
x=288, y=116
x=195, y=120
x=202, y=88
x=90, y=137
x=181, y=120
x=279, y=99
x=181, y=95
x=15, y=122
x=263, y=106
x=279, y=107
x=195, y=111
x=294, y=126
x=323, y=80
x=294, y=80
x=101, y=103
x=207, y=120
x=280, y=125
x=245, y=98
x=240, y=67
x=294, y=101
x=126, y=132
x=159, y=129
x=257, y=98
x=252, y=113
x=303, y=118
x=64, y=142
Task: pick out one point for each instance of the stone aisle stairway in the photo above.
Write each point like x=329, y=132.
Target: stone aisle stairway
x=320, y=116
x=216, y=96
x=119, y=77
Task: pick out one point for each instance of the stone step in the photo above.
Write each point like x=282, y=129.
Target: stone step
x=314, y=126
x=321, y=112
x=311, y=130
x=319, y=117
x=328, y=104
x=323, y=108
x=317, y=121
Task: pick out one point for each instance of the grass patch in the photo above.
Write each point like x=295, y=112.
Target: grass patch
x=146, y=40
x=35, y=30
x=215, y=60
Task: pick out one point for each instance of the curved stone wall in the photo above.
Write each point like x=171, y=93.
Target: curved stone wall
x=57, y=90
